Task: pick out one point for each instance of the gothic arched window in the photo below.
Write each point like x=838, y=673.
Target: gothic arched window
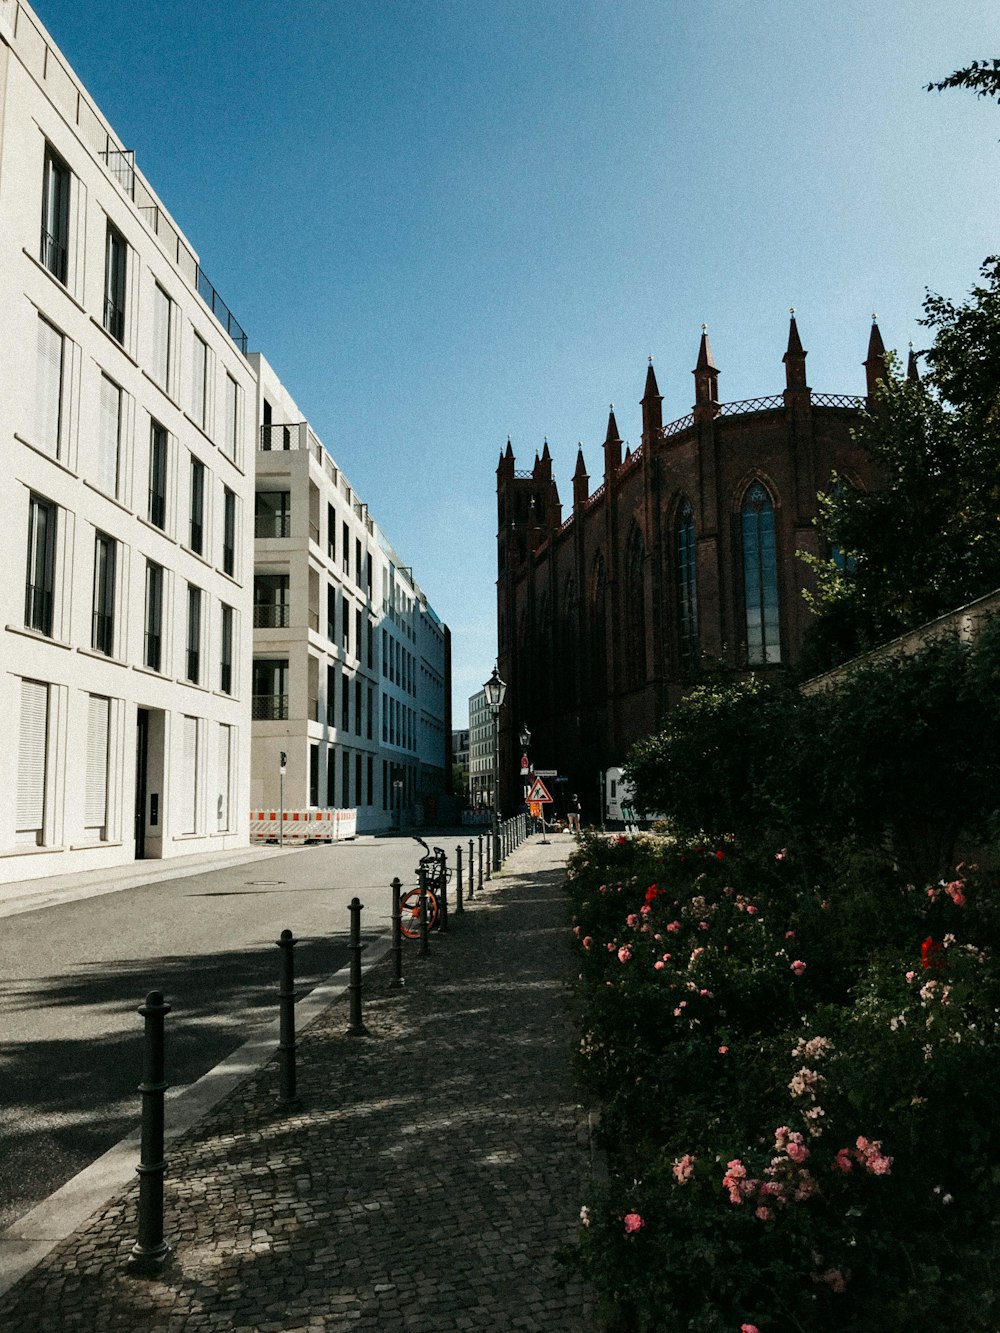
x=568, y=665
x=760, y=577
x=599, y=631
x=687, y=588
x=635, y=609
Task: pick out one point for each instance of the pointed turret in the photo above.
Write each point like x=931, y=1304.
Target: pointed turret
x=706, y=381
x=912, y=369
x=581, y=481
x=506, y=464
x=543, y=465
x=795, y=357
x=875, y=361
x=652, y=406
x=612, y=446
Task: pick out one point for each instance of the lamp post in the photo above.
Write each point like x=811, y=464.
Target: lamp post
x=495, y=690
x=281, y=798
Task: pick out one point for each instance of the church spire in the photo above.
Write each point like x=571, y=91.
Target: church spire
x=652, y=406
x=612, y=446
x=912, y=369
x=706, y=380
x=795, y=357
x=875, y=361
x=581, y=481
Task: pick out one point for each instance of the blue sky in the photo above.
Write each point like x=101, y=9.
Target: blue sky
x=447, y=221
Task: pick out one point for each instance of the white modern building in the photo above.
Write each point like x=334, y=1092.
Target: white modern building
x=127, y=440
x=480, y=751
x=351, y=667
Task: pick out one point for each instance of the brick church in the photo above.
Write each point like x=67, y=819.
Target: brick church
x=681, y=560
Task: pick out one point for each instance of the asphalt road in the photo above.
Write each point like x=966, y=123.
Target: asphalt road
x=73, y=974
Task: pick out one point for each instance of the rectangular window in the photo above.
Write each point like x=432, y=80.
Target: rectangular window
x=385, y=717
x=357, y=706
x=115, y=259
x=331, y=775
x=270, y=689
x=314, y=774
x=345, y=548
x=270, y=601
x=345, y=703
x=368, y=585
x=109, y=433
x=331, y=696
x=39, y=590
x=162, y=321
x=197, y=506
x=331, y=613
x=192, y=669
x=224, y=776
x=157, y=475
x=345, y=624
x=199, y=380
x=102, y=636
x=272, y=514
x=358, y=792
x=226, y=656
x=331, y=532
x=371, y=780
x=345, y=778
x=95, y=817
x=370, y=715
x=228, y=531
x=231, y=427
x=357, y=633
x=49, y=364
x=152, y=655
x=31, y=766
x=55, y=215
x=371, y=645
x=385, y=784
x=357, y=562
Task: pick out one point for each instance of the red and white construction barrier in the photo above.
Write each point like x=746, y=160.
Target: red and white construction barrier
x=295, y=827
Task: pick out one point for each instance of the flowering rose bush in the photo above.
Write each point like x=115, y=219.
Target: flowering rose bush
x=796, y=1094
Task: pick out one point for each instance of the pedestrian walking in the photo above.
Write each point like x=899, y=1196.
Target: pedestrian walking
x=573, y=812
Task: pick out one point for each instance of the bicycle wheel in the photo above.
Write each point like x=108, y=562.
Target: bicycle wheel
x=409, y=913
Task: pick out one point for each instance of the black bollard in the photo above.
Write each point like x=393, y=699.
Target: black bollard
x=397, y=935
x=151, y=1251
x=286, y=1021
x=443, y=895
x=459, y=904
x=472, y=870
x=458, y=864
x=425, y=946
x=356, y=1028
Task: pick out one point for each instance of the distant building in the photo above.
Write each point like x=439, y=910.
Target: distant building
x=480, y=751
x=681, y=563
x=127, y=447
x=460, y=751
x=351, y=666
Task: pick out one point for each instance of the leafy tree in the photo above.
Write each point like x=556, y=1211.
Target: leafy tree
x=981, y=77
x=927, y=539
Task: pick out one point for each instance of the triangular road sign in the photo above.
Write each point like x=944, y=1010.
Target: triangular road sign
x=538, y=792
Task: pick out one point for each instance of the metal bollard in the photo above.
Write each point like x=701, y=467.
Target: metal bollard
x=150, y=1251
x=286, y=1021
x=480, y=862
x=443, y=897
x=397, y=935
x=458, y=867
x=459, y=905
x=472, y=871
x=356, y=1028
x=425, y=946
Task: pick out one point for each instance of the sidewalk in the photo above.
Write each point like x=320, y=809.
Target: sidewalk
x=427, y=1183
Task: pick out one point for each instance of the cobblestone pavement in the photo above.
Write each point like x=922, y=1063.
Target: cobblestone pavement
x=428, y=1182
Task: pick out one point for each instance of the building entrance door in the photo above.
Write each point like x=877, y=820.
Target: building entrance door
x=141, y=762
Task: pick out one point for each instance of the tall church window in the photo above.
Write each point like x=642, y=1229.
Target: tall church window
x=760, y=577
x=599, y=632
x=687, y=588
x=635, y=610
x=569, y=683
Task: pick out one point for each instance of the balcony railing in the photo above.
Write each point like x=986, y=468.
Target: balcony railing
x=272, y=525
x=271, y=615
x=269, y=708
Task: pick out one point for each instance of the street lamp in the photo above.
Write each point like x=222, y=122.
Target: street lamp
x=495, y=690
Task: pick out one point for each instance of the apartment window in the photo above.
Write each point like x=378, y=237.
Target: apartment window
x=357, y=562
x=49, y=364
x=55, y=215
x=157, y=475
x=331, y=775
x=270, y=689
x=95, y=817
x=331, y=532
x=39, y=592
x=228, y=531
x=197, y=505
x=385, y=717
x=345, y=704
x=371, y=645
x=331, y=613
x=162, y=321
x=345, y=773
x=314, y=774
x=115, y=259
x=32, y=762
x=371, y=780
x=358, y=793
x=357, y=706
x=109, y=432
x=226, y=656
x=102, y=636
x=199, y=380
x=152, y=654
x=193, y=664
x=224, y=775
x=358, y=621
x=345, y=548
x=272, y=514
x=331, y=696
x=369, y=716
x=270, y=601
x=232, y=418
x=345, y=623
x=368, y=583
x=188, y=794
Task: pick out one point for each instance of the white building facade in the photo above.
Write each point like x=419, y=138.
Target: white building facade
x=127, y=436
x=480, y=751
x=350, y=664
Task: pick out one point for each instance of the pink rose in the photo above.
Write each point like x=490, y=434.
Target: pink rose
x=633, y=1223
x=798, y=967
x=624, y=954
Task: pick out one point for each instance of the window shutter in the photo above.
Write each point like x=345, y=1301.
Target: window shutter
x=187, y=783
x=31, y=763
x=223, y=774
x=96, y=795
x=107, y=443
x=48, y=387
